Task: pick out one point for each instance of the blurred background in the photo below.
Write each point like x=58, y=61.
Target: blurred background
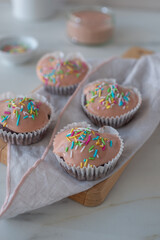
x=135, y=23
x=139, y=4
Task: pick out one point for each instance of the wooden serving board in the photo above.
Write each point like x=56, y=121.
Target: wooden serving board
x=97, y=194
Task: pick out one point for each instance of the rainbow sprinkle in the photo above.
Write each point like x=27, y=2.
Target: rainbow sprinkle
x=56, y=70
x=109, y=98
x=15, y=48
x=16, y=107
x=110, y=143
x=82, y=137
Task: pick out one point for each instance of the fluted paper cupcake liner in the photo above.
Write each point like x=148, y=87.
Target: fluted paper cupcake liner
x=91, y=173
x=117, y=121
x=30, y=137
x=68, y=90
x=63, y=90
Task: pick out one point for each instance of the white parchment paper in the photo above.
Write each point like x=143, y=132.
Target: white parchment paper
x=48, y=183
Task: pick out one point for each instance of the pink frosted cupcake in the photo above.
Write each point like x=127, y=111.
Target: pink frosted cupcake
x=60, y=74
x=107, y=103
x=24, y=119
x=86, y=153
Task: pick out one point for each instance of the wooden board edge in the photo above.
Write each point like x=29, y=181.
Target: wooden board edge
x=136, y=52
x=97, y=194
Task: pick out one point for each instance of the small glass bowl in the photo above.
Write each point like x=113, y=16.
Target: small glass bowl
x=17, y=50
x=90, y=26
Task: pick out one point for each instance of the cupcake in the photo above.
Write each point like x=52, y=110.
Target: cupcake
x=24, y=119
x=85, y=153
x=107, y=103
x=61, y=75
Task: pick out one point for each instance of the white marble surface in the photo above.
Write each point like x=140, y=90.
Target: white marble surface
x=132, y=209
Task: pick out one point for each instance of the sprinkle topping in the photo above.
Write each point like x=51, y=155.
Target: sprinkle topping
x=16, y=108
x=15, y=48
x=56, y=70
x=107, y=99
x=80, y=138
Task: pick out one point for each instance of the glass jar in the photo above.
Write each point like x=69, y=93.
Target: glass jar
x=93, y=25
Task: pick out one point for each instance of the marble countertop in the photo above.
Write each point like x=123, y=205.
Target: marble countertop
x=132, y=208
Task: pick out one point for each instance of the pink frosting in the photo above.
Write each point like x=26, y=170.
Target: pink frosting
x=105, y=153
x=56, y=72
x=31, y=123
x=99, y=108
